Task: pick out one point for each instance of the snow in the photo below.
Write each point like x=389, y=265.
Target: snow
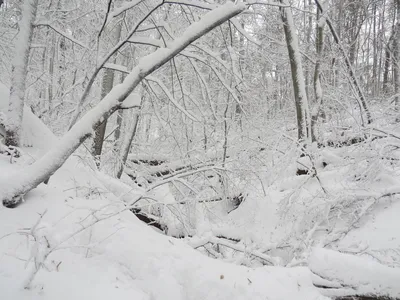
x=378, y=238
x=76, y=237
x=101, y=249
x=34, y=132
x=118, y=257
x=361, y=275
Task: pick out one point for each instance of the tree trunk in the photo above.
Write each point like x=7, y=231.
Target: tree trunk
x=127, y=144
x=308, y=28
x=300, y=96
x=19, y=72
x=396, y=54
x=386, y=67
x=106, y=86
x=319, y=46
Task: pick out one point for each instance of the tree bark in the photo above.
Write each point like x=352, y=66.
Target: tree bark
x=19, y=72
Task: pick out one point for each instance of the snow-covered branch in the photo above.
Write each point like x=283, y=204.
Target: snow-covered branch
x=62, y=33
x=38, y=172
x=238, y=247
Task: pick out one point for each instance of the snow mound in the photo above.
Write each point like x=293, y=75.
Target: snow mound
x=34, y=132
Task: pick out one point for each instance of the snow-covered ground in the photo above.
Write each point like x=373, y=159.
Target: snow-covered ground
x=75, y=239
x=85, y=250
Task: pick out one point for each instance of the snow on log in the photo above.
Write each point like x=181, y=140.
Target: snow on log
x=344, y=275
x=19, y=184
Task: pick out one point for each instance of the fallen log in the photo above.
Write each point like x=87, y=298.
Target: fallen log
x=165, y=171
x=236, y=200
x=348, y=142
x=345, y=276
x=150, y=162
x=149, y=220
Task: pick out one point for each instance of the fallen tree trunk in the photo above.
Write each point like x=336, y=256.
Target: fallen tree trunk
x=18, y=185
x=149, y=220
x=345, y=276
x=166, y=170
x=151, y=161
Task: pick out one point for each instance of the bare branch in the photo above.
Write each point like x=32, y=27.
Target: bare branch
x=62, y=33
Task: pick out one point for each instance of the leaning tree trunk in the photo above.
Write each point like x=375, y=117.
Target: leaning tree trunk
x=19, y=184
x=299, y=89
x=19, y=71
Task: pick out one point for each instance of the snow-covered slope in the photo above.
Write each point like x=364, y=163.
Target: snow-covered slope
x=73, y=239
x=118, y=257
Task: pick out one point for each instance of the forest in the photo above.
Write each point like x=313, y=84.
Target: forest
x=200, y=149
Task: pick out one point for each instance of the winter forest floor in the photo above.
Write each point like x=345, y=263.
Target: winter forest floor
x=333, y=233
